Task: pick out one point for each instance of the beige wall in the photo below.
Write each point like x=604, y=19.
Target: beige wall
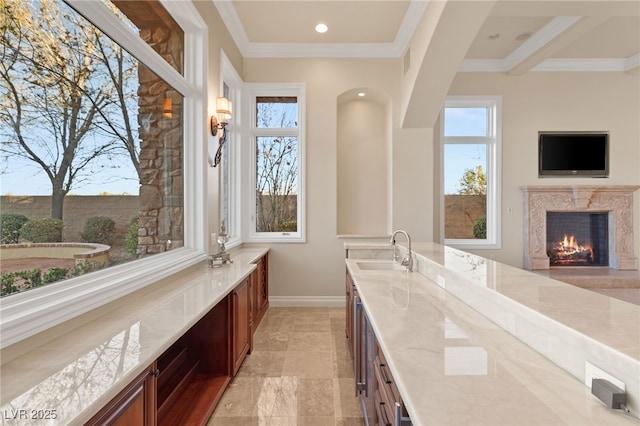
x=557, y=101
x=316, y=268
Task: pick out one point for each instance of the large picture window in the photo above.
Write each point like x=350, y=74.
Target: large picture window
x=278, y=159
x=96, y=106
x=470, y=138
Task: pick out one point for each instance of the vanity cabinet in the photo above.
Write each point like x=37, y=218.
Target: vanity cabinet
x=134, y=406
x=185, y=383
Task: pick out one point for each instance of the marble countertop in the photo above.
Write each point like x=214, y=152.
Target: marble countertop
x=78, y=373
x=458, y=353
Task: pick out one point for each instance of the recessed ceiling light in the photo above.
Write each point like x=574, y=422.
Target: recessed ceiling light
x=523, y=37
x=361, y=94
x=494, y=36
x=321, y=28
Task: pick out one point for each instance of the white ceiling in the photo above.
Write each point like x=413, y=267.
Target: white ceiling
x=563, y=35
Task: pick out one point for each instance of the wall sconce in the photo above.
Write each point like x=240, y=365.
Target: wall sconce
x=223, y=109
x=167, y=107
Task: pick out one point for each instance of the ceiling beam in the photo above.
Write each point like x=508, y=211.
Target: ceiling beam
x=437, y=48
x=555, y=41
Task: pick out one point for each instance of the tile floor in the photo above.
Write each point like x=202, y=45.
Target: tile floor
x=299, y=373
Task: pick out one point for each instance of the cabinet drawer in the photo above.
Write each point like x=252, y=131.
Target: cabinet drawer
x=386, y=384
x=384, y=414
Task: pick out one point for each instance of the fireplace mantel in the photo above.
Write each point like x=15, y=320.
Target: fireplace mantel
x=617, y=200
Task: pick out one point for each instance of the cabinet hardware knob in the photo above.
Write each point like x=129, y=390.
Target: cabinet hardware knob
x=155, y=372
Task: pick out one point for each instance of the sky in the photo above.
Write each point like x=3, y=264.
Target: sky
x=25, y=178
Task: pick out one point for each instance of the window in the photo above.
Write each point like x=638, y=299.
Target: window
x=470, y=135
x=277, y=133
x=132, y=110
x=231, y=164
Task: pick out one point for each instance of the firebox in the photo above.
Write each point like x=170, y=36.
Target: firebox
x=577, y=238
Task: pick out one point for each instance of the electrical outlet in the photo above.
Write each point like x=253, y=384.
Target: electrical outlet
x=441, y=281
x=592, y=372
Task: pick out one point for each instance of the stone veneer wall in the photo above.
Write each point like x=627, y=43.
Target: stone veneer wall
x=161, y=213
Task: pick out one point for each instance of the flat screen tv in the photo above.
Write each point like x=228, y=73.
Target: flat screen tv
x=573, y=154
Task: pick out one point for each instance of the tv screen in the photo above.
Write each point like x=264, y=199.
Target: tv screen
x=573, y=154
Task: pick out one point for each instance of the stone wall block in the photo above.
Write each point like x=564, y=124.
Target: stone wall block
x=150, y=197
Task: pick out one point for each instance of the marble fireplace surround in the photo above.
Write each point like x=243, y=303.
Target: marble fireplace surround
x=616, y=200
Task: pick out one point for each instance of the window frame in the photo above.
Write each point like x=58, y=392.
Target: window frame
x=255, y=90
x=25, y=314
x=493, y=142
x=231, y=78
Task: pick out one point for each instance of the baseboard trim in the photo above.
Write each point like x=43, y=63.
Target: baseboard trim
x=307, y=301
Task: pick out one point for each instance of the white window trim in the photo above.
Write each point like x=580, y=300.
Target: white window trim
x=26, y=314
x=234, y=82
x=275, y=89
x=494, y=169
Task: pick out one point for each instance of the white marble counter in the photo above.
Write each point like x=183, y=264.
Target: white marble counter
x=454, y=355
x=76, y=374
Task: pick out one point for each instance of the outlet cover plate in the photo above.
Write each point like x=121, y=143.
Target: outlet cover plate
x=592, y=372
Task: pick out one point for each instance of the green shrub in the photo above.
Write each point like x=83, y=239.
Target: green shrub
x=99, y=229
x=10, y=225
x=54, y=274
x=7, y=286
x=480, y=228
x=131, y=237
x=86, y=267
x=42, y=230
x=31, y=278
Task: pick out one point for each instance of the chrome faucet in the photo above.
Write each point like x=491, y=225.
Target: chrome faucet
x=407, y=260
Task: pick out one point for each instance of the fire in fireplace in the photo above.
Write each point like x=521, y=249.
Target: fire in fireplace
x=569, y=252
x=577, y=239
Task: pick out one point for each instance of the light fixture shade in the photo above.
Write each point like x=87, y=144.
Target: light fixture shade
x=223, y=106
x=167, y=107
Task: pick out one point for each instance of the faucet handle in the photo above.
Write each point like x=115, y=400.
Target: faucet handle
x=407, y=261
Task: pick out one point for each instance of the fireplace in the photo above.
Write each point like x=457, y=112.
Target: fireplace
x=607, y=212
x=577, y=239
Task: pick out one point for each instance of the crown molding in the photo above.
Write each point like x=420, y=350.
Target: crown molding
x=412, y=18
x=593, y=65
x=320, y=50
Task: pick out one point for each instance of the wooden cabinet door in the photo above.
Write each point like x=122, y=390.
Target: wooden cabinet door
x=259, y=291
x=349, y=307
x=263, y=286
x=240, y=323
x=134, y=406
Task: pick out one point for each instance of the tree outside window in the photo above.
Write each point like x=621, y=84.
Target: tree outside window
x=277, y=157
x=80, y=115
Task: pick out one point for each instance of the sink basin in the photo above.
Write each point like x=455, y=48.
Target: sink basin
x=381, y=266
